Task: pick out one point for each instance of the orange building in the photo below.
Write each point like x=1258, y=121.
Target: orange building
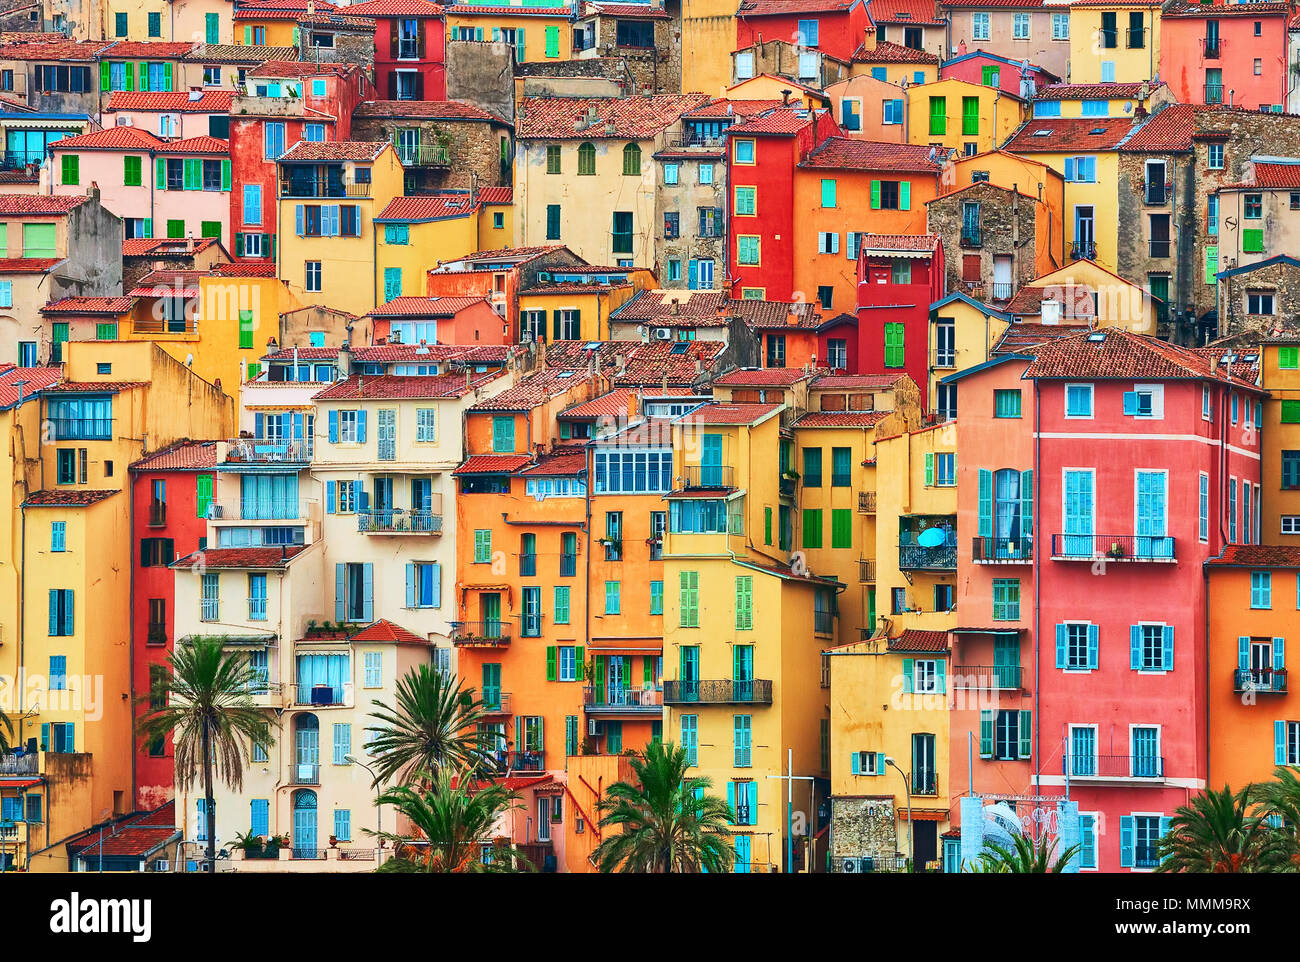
x=1251, y=598
x=843, y=187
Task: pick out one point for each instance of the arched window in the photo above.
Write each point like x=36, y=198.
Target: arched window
x=632, y=160
x=586, y=159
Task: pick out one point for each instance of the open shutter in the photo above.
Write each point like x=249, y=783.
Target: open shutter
x=987, y=720
x=1026, y=733
x=875, y=195
x=410, y=585
x=225, y=175
x=331, y=488
x=907, y=674
x=1026, y=504
x=579, y=669
x=1243, y=652
x=167, y=76
x=904, y=195
x=1279, y=743
x=361, y=427
x=435, y=576
x=986, y=503
x=340, y=591
x=368, y=592
x=1279, y=656
x=1126, y=841
x=929, y=469
x=550, y=663
x=103, y=75
x=1060, y=646
x=855, y=763
x=1093, y=646
x=54, y=611
x=334, y=427
x=1135, y=647
x=940, y=676
x=392, y=38
x=1167, y=643
x=160, y=174
x=880, y=763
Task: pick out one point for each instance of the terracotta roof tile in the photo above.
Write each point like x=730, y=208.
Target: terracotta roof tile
x=903, y=11
x=1055, y=134
x=623, y=118
x=385, y=630
x=427, y=207
x=1099, y=91
x=721, y=107
x=89, y=305
x=496, y=195
x=146, y=50
x=164, y=247
x=68, y=497
x=779, y=121
x=355, y=150
x=1168, y=129
x=778, y=8
x=395, y=8
x=53, y=50
x=846, y=382
x=534, y=389
x=610, y=404
x=24, y=382
x=179, y=101
x=426, y=306
x=16, y=205
x=633, y=11
x=567, y=463
x=238, y=53
x=138, y=835
x=913, y=639
x=1198, y=11
x=846, y=153
x=718, y=412
x=425, y=110
x=456, y=353
x=195, y=145
x=181, y=456
x=1268, y=176
x=1258, y=556
x=886, y=51
x=841, y=419
x=95, y=387
x=400, y=386
x=763, y=377
x=1076, y=301
x=111, y=138
x=28, y=265
x=277, y=556
x=485, y=10
x=493, y=464
x=1021, y=335
x=1114, y=353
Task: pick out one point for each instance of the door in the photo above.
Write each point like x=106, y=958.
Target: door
x=711, y=461
x=387, y=435
x=925, y=844
x=1261, y=664
x=491, y=603
x=1001, y=277
x=304, y=824
x=421, y=504
x=1084, y=233
x=690, y=673
x=1078, y=515
x=383, y=506
x=1006, y=659
x=307, y=748
x=544, y=818
x=742, y=672
x=618, y=677
x=744, y=853
x=1151, y=540
x=923, y=774
x=492, y=686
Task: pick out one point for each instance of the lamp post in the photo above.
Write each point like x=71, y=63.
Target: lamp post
x=911, y=831
x=379, y=811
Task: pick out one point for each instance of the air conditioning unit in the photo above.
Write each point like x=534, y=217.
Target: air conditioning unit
x=594, y=727
x=215, y=512
x=123, y=121
x=857, y=864
x=663, y=334
x=849, y=866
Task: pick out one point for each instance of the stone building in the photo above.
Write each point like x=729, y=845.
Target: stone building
x=1260, y=300
x=864, y=827
x=780, y=58
x=483, y=73
x=332, y=38
x=441, y=143
x=641, y=36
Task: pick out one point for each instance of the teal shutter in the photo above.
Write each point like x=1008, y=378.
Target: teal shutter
x=855, y=763
x=1135, y=647
x=1279, y=742
x=1279, y=656
x=1061, y=632
x=1126, y=841
x=368, y=592
x=340, y=591
x=1026, y=504
x=1167, y=644
x=1026, y=733
x=940, y=676
x=987, y=720
x=986, y=503
x=1093, y=646
x=907, y=674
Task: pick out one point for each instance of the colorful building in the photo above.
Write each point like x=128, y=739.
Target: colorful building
x=410, y=46
x=1227, y=54
x=961, y=115
x=1115, y=41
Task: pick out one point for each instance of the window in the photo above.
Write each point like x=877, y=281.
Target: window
x=313, y=279
x=1151, y=647
x=743, y=152
x=1076, y=646
x=938, y=116
x=586, y=159
x=945, y=469
x=62, y=606
x=1006, y=599
x=1144, y=401
x=689, y=599
x=980, y=26
x=1006, y=403
x=632, y=160
x=1078, y=400
x=1214, y=156
x=742, y=729
x=747, y=249
x=1081, y=170
x=894, y=354
x=1259, y=303
x=1261, y=588
x=1060, y=26
x=1203, y=508
x=1005, y=735
x=503, y=434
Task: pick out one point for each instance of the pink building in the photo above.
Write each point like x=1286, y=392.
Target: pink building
x=178, y=114
x=174, y=188
x=1018, y=78
x=1097, y=476
x=1226, y=53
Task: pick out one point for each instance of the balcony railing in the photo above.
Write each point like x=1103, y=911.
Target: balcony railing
x=1083, y=251
x=684, y=140
x=528, y=565
x=260, y=509
x=866, y=571
x=496, y=703
x=17, y=159
x=1113, y=766
x=1112, y=547
x=399, y=521
x=991, y=550
x=1136, y=38
x=787, y=487
x=209, y=609
x=323, y=695
x=423, y=155
x=989, y=677
x=866, y=502
x=1259, y=679
x=267, y=451
x=1212, y=47
x=157, y=514
x=305, y=773
x=309, y=190
x=1213, y=93
x=1000, y=290
x=525, y=761
x=488, y=634
x=916, y=557
x=649, y=700
x=20, y=764
x=82, y=429
x=1159, y=248
x=724, y=691
x=568, y=565
x=1157, y=195
x=925, y=783
x=708, y=476
x=823, y=622
x=257, y=609
x=972, y=238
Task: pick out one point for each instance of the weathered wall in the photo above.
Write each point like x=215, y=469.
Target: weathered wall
x=863, y=826
x=1007, y=226
x=483, y=74
x=1282, y=281
x=475, y=150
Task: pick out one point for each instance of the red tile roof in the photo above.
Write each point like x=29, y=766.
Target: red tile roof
x=846, y=153
x=111, y=138
x=138, y=835
x=1022, y=335
x=534, y=389
x=355, y=150
x=778, y=8
x=386, y=631
x=163, y=246
x=1076, y=301
x=842, y=382
x=1258, y=556
x=841, y=419
x=493, y=464
x=277, y=556
x=485, y=10
x=611, y=404
x=89, y=305
x=395, y=8
x=68, y=497
x=181, y=456
x=425, y=110
x=731, y=108
x=232, y=53
x=1168, y=129
x=195, y=145
x=623, y=118
x=301, y=68
x=567, y=463
x=27, y=265
x=146, y=50
x=180, y=101
x=763, y=377
x=779, y=121
x=1055, y=134
x=903, y=11
x=1268, y=176
x=886, y=51
x=496, y=195
x=991, y=3
x=718, y=412
x=96, y=387
x=633, y=11
x=459, y=353
x=24, y=382
x=427, y=207
x=913, y=639
x=1199, y=11
x=53, y=50
x=1114, y=353
x=16, y=205
x=1100, y=91
x=426, y=306
x=360, y=387
x=658, y=305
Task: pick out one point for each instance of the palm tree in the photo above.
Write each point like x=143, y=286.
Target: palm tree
x=1279, y=802
x=1216, y=832
x=1025, y=856
x=455, y=820
x=6, y=733
x=668, y=823
x=433, y=727
x=202, y=699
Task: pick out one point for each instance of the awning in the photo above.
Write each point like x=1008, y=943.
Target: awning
x=988, y=631
x=165, y=292
x=268, y=638
x=625, y=649
x=19, y=783
x=925, y=814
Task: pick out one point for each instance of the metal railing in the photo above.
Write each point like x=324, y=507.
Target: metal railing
x=972, y=238
x=823, y=622
x=1159, y=248
x=423, y=155
x=157, y=514
x=1213, y=93
x=156, y=635
x=188, y=325
x=708, y=476
x=866, y=571
x=399, y=521
x=209, y=609
x=1137, y=39
x=622, y=699
x=257, y=609
x=18, y=159
x=20, y=764
x=1113, y=547
x=1212, y=47
x=325, y=191
x=1157, y=195
x=866, y=502
x=787, y=486
x=993, y=677
x=1000, y=290
x=925, y=783
x=82, y=429
x=323, y=695
x=1002, y=549
x=1112, y=766
x=487, y=633
x=568, y=565
x=259, y=509
x=525, y=761
x=528, y=565
x=267, y=450
x=916, y=557
x=1083, y=251
x=496, y=703
x=723, y=691
x=1259, y=679
x=305, y=773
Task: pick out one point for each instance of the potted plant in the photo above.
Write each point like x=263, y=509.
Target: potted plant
x=334, y=842
x=1116, y=550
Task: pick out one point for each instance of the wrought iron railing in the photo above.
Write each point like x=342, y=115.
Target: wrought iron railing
x=1259, y=679
x=323, y=695
x=866, y=502
x=708, y=476
x=866, y=571
x=925, y=783
x=622, y=699
x=724, y=691
x=398, y=521
x=263, y=450
x=490, y=633
x=972, y=238
x=993, y=677
x=1112, y=766
x=82, y=429
x=309, y=190
x=916, y=557
x=1112, y=547
x=1002, y=549
x=496, y=702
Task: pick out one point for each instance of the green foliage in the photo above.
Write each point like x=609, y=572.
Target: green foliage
x=432, y=727
x=1025, y=856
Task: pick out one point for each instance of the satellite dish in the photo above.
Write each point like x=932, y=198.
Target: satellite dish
x=930, y=538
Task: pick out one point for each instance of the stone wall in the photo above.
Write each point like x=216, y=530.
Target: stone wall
x=591, y=77
x=475, y=151
x=658, y=70
x=1007, y=227
x=863, y=826
x=483, y=74
x=1282, y=280
x=686, y=197
x=1137, y=261
x=350, y=46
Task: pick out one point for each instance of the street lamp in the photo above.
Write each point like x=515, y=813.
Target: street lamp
x=911, y=831
x=379, y=811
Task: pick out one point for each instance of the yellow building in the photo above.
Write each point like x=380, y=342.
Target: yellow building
x=962, y=116
x=1085, y=293
x=271, y=27
x=330, y=192
x=1115, y=42
x=742, y=631
x=963, y=332
x=572, y=310
x=1101, y=100
x=412, y=233
x=496, y=218
x=540, y=32
x=1280, y=464
x=708, y=34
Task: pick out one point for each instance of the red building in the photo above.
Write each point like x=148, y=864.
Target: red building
x=835, y=27
x=267, y=120
x=1104, y=471
x=410, y=47
x=170, y=492
x=1016, y=77
x=762, y=153
x=899, y=277
x=1226, y=53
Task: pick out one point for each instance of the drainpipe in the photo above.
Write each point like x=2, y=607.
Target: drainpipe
x=130, y=526
x=1038, y=524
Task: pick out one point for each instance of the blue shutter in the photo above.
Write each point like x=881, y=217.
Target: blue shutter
x=334, y=427
x=45, y=736
x=1279, y=656
x=1093, y=646
x=260, y=817
x=1026, y=504
x=1126, y=841
x=361, y=427
x=986, y=503
x=1135, y=647
x=1243, y=652
x=1168, y=645
x=1131, y=403
x=435, y=576
x=940, y=676
x=331, y=498
x=1060, y=646
x=855, y=763
x=1069, y=168
x=731, y=796
x=410, y=585
x=54, y=611
x=340, y=589
x=68, y=617
x=368, y=592
x=1279, y=742
x=692, y=274
x=298, y=219
x=751, y=799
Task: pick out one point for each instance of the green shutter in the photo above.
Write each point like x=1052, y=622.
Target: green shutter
x=103, y=75
x=550, y=663
x=904, y=195
x=71, y=169
x=987, y=720
x=552, y=41
x=225, y=175
x=875, y=195
x=1211, y=264
x=986, y=503
x=160, y=174
x=1026, y=733
x=929, y=469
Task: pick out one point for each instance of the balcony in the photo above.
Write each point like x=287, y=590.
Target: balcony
x=1083, y=251
x=568, y=565
x=1136, y=39
x=187, y=325
x=706, y=476
x=619, y=701
x=683, y=140
x=1211, y=48
x=480, y=634
x=719, y=692
x=496, y=703
x=972, y=237
x=1266, y=680
x=156, y=635
x=399, y=521
x=528, y=565
x=925, y=783
x=1000, y=291
x=267, y=451
x=157, y=514
x=1113, y=547
x=81, y=429
x=267, y=694
x=1213, y=93
x=1157, y=195
x=866, y=502
x=525, y=761
x=305, y=774
x=29, y=764
x=423, y=155
x=323, y=696
x=787, y=487
x=1002, y=550
x=266, y=509
x=987, y=677
x=1111, y=767
x=309, y=189
x=916, y=557
x=866, y=572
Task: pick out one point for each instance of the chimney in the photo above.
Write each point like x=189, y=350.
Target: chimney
x=785, y=96
x=344, y=362
x=791, y=317
x=675, y=307
x=869, y=39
